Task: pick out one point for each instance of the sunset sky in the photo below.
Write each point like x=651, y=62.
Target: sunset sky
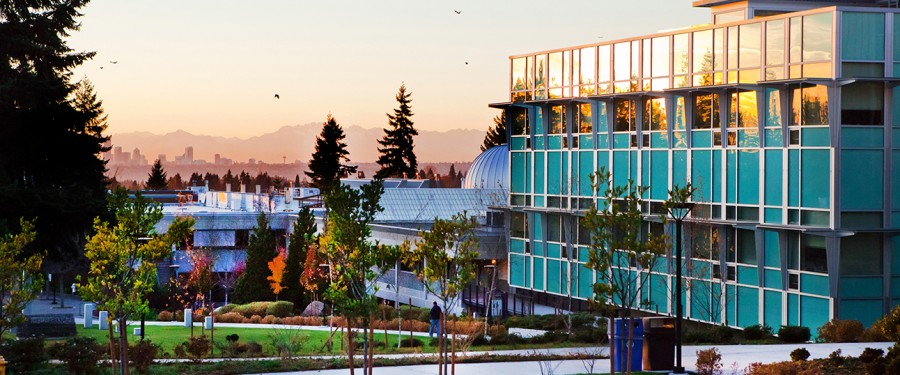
x=213, y=67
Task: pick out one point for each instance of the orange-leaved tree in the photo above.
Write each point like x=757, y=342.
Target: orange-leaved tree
x=276, y=266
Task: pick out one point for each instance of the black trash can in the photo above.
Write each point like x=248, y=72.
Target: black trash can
x=659, y=344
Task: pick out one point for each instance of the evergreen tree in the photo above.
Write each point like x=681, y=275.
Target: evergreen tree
x=325, y=168
x=156, y=180
x=301, y=239
x=398, y=158
x=496, y=135
x=252, y=285
x=175, y=182
x=51, y=131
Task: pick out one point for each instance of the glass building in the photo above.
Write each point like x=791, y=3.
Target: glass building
x=783, y=114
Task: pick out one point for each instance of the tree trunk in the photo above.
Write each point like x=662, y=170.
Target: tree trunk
x=453, y=353
x=629, y=344
x=612, y=346
x=372, y=349
x=440, y=345
x=123, y=346
x=350, y=346
x=112, y=346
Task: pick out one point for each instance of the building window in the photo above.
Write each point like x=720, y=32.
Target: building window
x=557, y=119
x=519, y=118
x=554, y=228
x=585, y=120
x=587, y=66
x=519, y=225
x=241, y=238
x=706, y=111
x=812, y=254
x=809, y=105
x=655, y=115
x=862, y=254
x=743, y=110
x=746, y=245
x=625, y=115
x=862, y=103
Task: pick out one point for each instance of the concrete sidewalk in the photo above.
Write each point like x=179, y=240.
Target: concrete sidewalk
x=734, y=357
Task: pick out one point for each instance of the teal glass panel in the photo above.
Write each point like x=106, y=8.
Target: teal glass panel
x=529, y=173
x=583, y=253
x=716, y=177
x=701, y=300
x=701, y=139
x=539, y=172
x=774, y=177
x=679, y=168
x=701, y=175
x=772, y=279
x=854, y=136
x=564, y=171
x=772, y=309
x=895, y=180
x=659, y=175
x=539, y=201
x=517, y=246
x=862, y=36
x=748, y=177
x=866, y=312
x=896, y=38
x=774, y=138
x=658, y=293
x=634, y=164
x=895, y=286
x=585, y=282
x=517, y=270
x=602, y=118
x=814, y=137
x=816, y=177
x=553, y=250
x=772, y=215
x=814, y=312
x=538, y=228
x=747, y=275
x=554, y=182
x=564, y=278
x=528, y=271
x=517, y=174
x=620, y=168
x=748, y=306
x=585, y=170
x=731, y=176
x=862, y=193
x=793, y=178
x=679, y=139
x=772, y=249
x=554, y=142
x=538, y=121
x=621, y=140
x=748, y=138
x=793, y=309
x=645, y=169
x=814, y=284
x=539, y=143
x=553, y=270
x=539, y=273
x=517, y=143
x=773, y=107
x=659, y=140
x=539, y=248
x=895, y=135
x=730, y=303
x=585, y=141
x=717, y=291
x=602, y=141
x=861, y=287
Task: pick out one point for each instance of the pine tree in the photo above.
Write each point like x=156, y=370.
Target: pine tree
x=398, y=158
x=253, y=285
x=51, y=135
x=175, y=182
x=156, y=180
x=496, y=135
x=301, y=239
x=325, y=168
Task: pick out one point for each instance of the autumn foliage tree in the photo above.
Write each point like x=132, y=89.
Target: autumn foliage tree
x=20, y=277
x=276, y=269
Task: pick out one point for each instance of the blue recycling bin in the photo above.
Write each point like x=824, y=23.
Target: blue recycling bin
x=620, y=341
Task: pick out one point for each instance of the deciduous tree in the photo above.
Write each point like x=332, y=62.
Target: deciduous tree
x=20, y=277
x=276, y=274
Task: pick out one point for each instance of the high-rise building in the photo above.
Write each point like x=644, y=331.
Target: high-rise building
x=783, y=114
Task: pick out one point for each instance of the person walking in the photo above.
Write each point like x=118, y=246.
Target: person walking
x=435, y=320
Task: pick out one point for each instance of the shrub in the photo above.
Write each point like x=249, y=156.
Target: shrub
x=269, y=319
x=255, y=319
x=794, y=334
x=252, y=308
x=142, y=354
x=841, y=331
x=506, y=339
x=24, y=355
x=870, y=355
x=709, y=362
x=196, y=348
x=79, y=353
x=165, y=316
x=757, y=332
x=254, y=348
x=230, y=317
x=799, y=354
x=179, y=315
x=590, y=336
x=890, y=325
x=548, y=338
x=410, y=343
x=280, y=309
x=874, y=333
x=226, y=309
x=288, y=342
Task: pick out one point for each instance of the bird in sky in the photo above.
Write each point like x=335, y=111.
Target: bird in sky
x=113, y=62
x=457, y=11
x=467, y=63
x=277, y=96
x=101, y=67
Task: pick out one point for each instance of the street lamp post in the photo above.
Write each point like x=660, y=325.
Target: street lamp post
x=488, y=299
x=678, y=211
x=50, y=284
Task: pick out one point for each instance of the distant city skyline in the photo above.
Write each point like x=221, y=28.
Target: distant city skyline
x=214, y=67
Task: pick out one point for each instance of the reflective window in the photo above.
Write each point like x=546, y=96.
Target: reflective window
x=680, y=113
x=586, y=76
x=655, y=115
x=706, y=111
x=622, y=56
x=773, y=108
x=809, y=105
x=584, y=118
x=732, y=47
x=625, y=115
x=540, y=72
x=812, y=254
x=817, y=37
x=719, y=49
x=862, y=103
x=732, y=16
x=746, y=247
x=743, y=110
x=635, y=59
x=519, y=225
x=775, y=42
x=518, y=74
x=703, y=51
x=647, y=64
x=680, y=53
x=603, y=64
x=750, y=45
x=519, y=120
x=557, y=119
x=796, y=40
x=556, y=69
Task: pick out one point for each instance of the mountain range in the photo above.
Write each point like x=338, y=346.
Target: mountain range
x=297, y=142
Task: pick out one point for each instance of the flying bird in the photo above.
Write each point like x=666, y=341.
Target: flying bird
x=101, y=67
x=113, y=62
x=277, y=97
x=467, y=63
x=457, y=11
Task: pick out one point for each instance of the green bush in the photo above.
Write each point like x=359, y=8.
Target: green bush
x=79, y=353
x=141, y=354
x=870, y=354
x=24, y=355
x=549, y=338
x=415, y=313
x=411, y=343
x=799, y=354
x=841, y=331
x=719, y=334
x=196, y=348
x=794, y=334
x=757, y=332
x=252, y=308
x=288, y=342
x=226, y=309
x=280, y=309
